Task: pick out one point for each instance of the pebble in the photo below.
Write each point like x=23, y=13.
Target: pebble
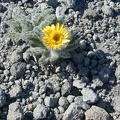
x=18, y=69
x=73, y=112
x=2, y=98
x=63, y=102
x=89, y=96
x=79, y=84
x=66, y=88
x=15, y=91
x=41, y=112
x=15, y=112
x=97, y=113
x=78, y=58
x=50, y=101
x=70, y=98
x=79, y=101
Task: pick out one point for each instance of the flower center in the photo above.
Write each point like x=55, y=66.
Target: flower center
x=56, y=37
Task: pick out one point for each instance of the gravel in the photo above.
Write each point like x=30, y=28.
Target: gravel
x=85, y=86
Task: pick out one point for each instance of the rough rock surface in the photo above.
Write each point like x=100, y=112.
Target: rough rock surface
x=15, y=112
x=97, y=113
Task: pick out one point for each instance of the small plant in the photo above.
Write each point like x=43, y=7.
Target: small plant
x=47, y=36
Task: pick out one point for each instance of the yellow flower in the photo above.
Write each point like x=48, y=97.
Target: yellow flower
x=55, y=37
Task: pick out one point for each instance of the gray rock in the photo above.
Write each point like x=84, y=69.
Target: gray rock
x=50, y=101
x=16, y=56
x=15, y=91
x=18, y=69
x=83, y=44
x=40, y=112
x=74, y=112
x=116, y=102
x=70, y=98
x=86, y=61
x=2, y=98
x=78, y=58
x=104, y=74
x=82, y=70
x=89, y=96
x=66, y=87
x=52, y=3
x=89, y=13
x=63, y=102
x=79, y=84
x=79, y=101
x=97, y=81
x=26, y=56
x=96, y=113
x=15, y=112
x=70, y=68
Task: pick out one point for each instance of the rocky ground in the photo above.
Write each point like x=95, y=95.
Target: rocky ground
x=84, y=87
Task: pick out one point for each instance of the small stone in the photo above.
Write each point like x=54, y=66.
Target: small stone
x=86, y=61
x=18, y=69
x=70, y=98
x=40, y=112
x=79, y=101
x=82, y=70
x=104, y=74
x=15, y=57
x=89, y=96
x=78, y=58
x=79, y=84
x=83, y=44
x=97, y=113
x=15, y=91
x=97, y=81
x=63, y=102
x=2, y=98
x=50, y=101
x=66, y=87
x=15, y=112
x=26, y=56
x=74, y=112
x=90, y=14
